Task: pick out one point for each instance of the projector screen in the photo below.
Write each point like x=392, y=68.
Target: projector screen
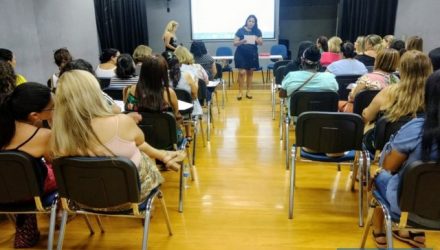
x=220, y=19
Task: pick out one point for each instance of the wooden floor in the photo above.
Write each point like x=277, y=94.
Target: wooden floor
x=239, y=200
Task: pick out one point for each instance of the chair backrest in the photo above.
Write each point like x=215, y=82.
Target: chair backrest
x=104, y=82
x=278, y=49
x=279, y=74
x=419, y=193
x=160, y=129
x=370, y=68
x=18, y=177
x=219, y=74
x=343, y=82
x=329, y=132
x=97, y=182
x=279, y=64
x=363, y=99
x=302, y=101
x=114, y=92
x=224, y=51
x=383, y=129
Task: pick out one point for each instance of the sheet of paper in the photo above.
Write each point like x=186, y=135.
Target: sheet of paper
x=351, y=86
x=213, y=84
x=250, y=39
x=120, y=105
x=184, y=105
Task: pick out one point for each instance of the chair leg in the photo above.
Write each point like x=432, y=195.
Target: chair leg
x=181, y=187
x=53, y=212
x=208, y=136
x=202, y=131
x=280, y=124
x=62, y=230
x=216, y=101
x=292, y=182
x=262, y=75
x=389, y=233
x=165, y=212
x=89, y=225
x=361, y=191
x=367, y=225
x=146, y=228
x=286, y=141
x=99, y=221
x=355, y=170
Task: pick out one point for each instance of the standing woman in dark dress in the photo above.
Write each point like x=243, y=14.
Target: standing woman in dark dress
x=169, y=36
x=246, y=54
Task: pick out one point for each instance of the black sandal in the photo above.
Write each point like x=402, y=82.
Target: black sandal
x=248, y=96
x=411, y=238
x=380, y=245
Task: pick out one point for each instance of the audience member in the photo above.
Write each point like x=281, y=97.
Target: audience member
x=187, y=64
x=7, y=80
x=7, y=56
x=334, y=47
x=125, y=72
x=434, y=55
x=322, y=44
x=108, y=60
x=201, y=56
x=414, y=42
x=62, y=57
x=348, y=65
x=140, y=54
x=359, y=45
x=398, y=45
x=387, y=41
x=385, y=65
x=296, y=63
x=405, y=98
x=22, y=110
x=169, y=36
x=415, y=141
x=373, y=44
x=99, y=132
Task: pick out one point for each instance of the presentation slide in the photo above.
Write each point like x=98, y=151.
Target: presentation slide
x=220, y=19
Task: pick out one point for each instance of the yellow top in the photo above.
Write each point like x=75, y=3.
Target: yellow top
x=20, y=79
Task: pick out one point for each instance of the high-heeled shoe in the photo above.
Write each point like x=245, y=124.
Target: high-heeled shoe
x=248, y=96
x=239, y=97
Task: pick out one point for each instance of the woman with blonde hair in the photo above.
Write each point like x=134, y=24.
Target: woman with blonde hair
x=405, y=98
x=373, y=45
x=140, y=54
x=387, y=41
x=359, y=45
x=84, y=125
x=169, y=36
x=334, y=48
x=187, y=64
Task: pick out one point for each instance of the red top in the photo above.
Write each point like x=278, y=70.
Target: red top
x=329, y=57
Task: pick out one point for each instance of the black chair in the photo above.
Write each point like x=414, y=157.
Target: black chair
x=277, y=49
x=363, y=99
x=330, y=132
x=276, y=85
x=302, y=101
x=343, y=82
x=418, y=200
x=219, y=76
x=202, y=92
x=89, y=185
x=114, y=92
x=160, y=131
x=384, y=129
x=104, y=82
x=21, y=189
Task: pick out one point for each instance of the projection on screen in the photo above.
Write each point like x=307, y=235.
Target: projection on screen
x=220, y=19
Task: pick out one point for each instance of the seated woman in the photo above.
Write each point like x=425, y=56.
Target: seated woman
x=141, y=53
x=7, y=56
x=201, y=56
x=125, y=72
x=347, y=65
x=21, y=110
x=108, y=63
x=404, y=99
x=332, y=55
x=7, y=80
x=372, y=46
x=100, y=132
x=62, y=57
x=417, y=140
x=382, y=76
x=295, y=64
x=187, y=64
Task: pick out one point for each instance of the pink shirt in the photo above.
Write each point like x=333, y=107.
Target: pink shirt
x=329, y=57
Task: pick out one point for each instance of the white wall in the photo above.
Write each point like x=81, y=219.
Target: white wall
x=419, y=18
x=34, y=29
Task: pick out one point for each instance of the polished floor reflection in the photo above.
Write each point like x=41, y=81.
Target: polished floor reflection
x=239, y=199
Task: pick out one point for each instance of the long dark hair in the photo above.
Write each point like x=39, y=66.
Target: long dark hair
x=7, y=80
x=255, y=28
x=323, y=42
x=152, y=82
x=25, y=99
x=431, y=131
x=198, y=48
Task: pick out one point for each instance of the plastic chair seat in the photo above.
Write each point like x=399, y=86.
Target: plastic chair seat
x=348, y=156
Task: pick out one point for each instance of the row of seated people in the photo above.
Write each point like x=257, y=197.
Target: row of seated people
x=82, y=122
x=407, y=96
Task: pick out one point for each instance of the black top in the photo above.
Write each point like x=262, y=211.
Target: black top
x=366, y=60
x=173, y=42
x=246, y=55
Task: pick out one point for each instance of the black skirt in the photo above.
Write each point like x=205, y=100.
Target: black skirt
x=246, y=57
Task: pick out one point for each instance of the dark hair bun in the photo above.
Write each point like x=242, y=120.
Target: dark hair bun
x=312, y=55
